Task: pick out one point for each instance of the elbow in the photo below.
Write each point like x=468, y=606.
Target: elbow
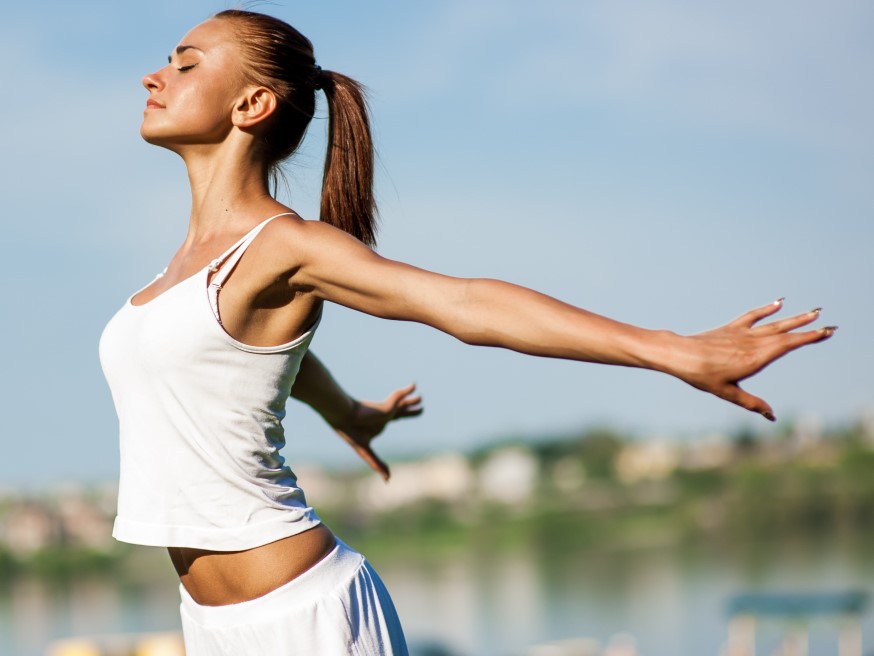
x=472, y=338
x=469, y=309
x=470, y=321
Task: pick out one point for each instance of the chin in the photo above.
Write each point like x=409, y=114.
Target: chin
x=147, y=134
x=150, y=138
x=155, y=137
x=159, y=140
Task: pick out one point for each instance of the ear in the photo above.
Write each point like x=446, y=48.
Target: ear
x=255, y=105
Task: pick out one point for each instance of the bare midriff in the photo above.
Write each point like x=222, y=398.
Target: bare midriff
x=218, y=578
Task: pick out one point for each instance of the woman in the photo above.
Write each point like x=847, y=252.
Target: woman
x=200, y=361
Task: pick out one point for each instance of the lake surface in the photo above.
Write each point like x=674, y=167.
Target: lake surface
x=479, y=603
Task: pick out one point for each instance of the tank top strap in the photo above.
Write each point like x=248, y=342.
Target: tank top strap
x=224, y=265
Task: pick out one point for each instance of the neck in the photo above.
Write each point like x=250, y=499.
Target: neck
x=229, y=189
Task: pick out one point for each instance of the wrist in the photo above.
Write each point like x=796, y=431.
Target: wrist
x=662, y=351
x=342, y=416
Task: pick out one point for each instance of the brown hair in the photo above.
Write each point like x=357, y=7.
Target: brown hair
x=277, y=56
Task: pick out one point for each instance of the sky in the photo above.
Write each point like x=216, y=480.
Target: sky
x=667, y=164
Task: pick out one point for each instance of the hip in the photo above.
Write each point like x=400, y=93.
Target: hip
x=218, y=578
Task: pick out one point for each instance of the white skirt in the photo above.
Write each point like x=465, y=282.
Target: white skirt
x=339, y=606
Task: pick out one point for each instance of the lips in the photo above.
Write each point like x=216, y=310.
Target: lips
x=153, y=104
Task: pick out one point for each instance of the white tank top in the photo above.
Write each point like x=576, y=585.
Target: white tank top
x=200, y=421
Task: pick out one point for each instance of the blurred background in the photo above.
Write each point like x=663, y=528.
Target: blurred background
x=667, y=164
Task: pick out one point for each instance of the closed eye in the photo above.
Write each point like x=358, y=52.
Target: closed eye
x=182, y=69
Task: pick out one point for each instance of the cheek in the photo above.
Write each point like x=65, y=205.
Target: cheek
x=206, y=102
x=193, y=112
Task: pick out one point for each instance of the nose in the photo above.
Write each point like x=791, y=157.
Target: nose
x=153, y=82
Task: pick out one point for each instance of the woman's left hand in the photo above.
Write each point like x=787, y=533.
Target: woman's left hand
x=369, y=418
x=716, y=361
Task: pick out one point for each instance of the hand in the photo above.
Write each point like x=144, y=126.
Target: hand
x=369, y=418
x=718, y=360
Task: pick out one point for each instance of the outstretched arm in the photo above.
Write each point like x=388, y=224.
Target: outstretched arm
x=357, y=422
x=338, y=268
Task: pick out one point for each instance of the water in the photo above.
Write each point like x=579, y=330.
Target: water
x=482, y=603
x=671, y=600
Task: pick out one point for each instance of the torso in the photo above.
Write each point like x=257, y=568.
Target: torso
x=214, y=578
x=256, y=309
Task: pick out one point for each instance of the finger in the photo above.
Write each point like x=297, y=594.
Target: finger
x=785, y=325
x=749, y=319
x=406, y=413
x=752, y=403
x=406, y=407
x=410, y=402
x=395, y=398
x=405, y=391
x=374, y=462
x=770, y=349
x=791, y=341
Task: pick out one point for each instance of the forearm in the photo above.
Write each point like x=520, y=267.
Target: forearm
x=316, y=387
x=357, y=422
x=495, y=313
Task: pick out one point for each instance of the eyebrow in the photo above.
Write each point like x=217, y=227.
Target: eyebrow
x=181, y=49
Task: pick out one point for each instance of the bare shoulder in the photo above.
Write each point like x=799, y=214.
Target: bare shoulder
x=315, y=258
x=296, y=241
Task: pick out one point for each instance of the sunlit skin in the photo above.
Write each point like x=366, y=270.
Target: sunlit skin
x=200, y=107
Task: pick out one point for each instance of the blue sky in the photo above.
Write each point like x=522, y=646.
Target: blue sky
x=668, y=164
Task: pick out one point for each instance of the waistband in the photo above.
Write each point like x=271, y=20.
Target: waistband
x=339, y=567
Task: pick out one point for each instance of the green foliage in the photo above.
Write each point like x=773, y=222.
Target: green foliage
x=746, y=441
x=596, y=448
x=696, y=483
x=771, y=488
x=8, y=565
x=68, y=562
x=61, y=562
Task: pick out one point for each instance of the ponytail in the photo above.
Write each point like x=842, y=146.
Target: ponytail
x=348, y=202
x=277, y=56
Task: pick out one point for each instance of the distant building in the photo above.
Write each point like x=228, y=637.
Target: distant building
x=649, y=460
x=28, y=527
x=83, y=523
x=708, y=452
x=509, y=476
x=322, y=489
x=447, y=477
x=807, y=431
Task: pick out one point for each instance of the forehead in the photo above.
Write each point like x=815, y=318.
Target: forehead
x=212, y=35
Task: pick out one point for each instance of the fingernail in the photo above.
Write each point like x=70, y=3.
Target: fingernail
x=829, y=330
x=816, y=310
x=780, y=300
x=769, y=416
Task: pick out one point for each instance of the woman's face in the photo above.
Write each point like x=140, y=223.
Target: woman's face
x=191, y=98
